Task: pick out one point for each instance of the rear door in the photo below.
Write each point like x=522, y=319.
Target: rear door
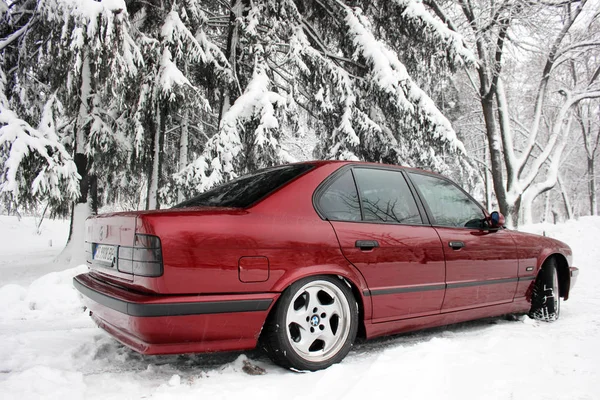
x=382, y=232
x=481, y=264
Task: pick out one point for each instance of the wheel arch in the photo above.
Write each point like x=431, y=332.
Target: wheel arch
x=353, y=280
x=562, y=267
x=358, y=296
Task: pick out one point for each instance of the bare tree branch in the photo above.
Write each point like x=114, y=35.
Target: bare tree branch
x=544, y=84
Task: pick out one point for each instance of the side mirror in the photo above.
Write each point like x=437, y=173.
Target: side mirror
x=496, y=220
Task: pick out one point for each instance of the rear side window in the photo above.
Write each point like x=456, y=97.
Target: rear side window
x=386, y=197
x=339, y=202
x=248, y=189
x=449, y=205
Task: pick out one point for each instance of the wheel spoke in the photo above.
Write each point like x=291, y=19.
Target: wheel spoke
x=328, y=338
x=298, y=317
x=304, y=344
x=333, y=308
x=313, y=298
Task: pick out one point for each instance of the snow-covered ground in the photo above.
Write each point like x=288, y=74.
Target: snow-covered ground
x=25, y=255
x=49, y=348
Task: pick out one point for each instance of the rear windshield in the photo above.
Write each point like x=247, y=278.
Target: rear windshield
x=247, y=189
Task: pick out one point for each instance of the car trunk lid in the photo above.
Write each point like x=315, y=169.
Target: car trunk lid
x=104, y=234
x=125, y=248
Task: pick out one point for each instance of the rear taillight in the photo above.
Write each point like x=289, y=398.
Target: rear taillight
x=143, y=259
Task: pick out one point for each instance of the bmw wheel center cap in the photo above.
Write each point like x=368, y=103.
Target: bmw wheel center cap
x=314, y=321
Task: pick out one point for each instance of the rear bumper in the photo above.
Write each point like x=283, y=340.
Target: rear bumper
x=174, y=324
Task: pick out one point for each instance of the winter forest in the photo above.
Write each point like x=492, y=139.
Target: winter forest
x=138, y=104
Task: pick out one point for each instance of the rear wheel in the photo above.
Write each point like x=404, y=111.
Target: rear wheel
x=313, y=325
x=545, y=300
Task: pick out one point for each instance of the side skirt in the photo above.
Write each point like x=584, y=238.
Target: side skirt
x=431, y=321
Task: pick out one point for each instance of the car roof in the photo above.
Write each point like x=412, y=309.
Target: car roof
x=319, y=163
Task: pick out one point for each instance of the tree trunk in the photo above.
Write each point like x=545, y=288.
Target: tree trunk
x=231, y=52
x=183, y=149
x=495, y=147
x=488, y=185
x=526, y=209
x=546, y=207
x=592, y=186
x=530, y=195
x=152, y=200
x=183, y=139
x=566, y=200
x=87, y=203
x=512, y=213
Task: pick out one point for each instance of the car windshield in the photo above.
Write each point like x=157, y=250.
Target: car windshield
x=247, y=189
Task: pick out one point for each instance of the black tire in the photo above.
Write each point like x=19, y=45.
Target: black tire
x=297, y=337
x=545, y=298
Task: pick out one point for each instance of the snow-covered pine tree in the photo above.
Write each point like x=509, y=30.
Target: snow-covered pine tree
x=139, y=88
x=183, y=71
x=336, y=62
x=77, y=56
x=249, y=129
x=37, y=167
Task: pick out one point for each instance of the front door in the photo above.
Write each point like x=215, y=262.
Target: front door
x=481, y=263
x=382, y=233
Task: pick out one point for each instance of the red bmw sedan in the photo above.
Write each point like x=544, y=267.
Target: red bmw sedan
x=300, y=259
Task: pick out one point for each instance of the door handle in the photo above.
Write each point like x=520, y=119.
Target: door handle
x=456, y=245
x=366, y=244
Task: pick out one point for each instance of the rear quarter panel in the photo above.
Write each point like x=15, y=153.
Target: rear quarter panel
x=201, y=252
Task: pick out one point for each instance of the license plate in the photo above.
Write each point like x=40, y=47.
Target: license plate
x=105, y=253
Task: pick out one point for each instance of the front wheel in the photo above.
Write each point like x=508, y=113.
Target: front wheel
x=545, y=299
x=313, y=325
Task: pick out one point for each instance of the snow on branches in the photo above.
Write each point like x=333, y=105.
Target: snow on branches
x=181, y=45
x=92, y=29
x=389, y=76
x=219, y=161
x=21, y=143
x=335, y=99
x=70, y=65
x=415, y=11
x=149, y=85
x=170, y=76
x=365, y=103
x=195, y=48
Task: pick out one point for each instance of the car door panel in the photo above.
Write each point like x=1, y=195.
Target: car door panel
x=405, y=273
x=481, y=263
x=402, y=263
x=483, y=272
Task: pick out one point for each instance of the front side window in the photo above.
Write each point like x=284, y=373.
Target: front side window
x=339, y=202
x=449, y=205
x=386, y=197
x=247, y=189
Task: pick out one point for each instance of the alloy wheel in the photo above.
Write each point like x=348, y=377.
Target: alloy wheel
x=318, y=321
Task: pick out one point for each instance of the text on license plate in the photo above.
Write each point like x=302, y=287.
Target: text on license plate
x=105, y=253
